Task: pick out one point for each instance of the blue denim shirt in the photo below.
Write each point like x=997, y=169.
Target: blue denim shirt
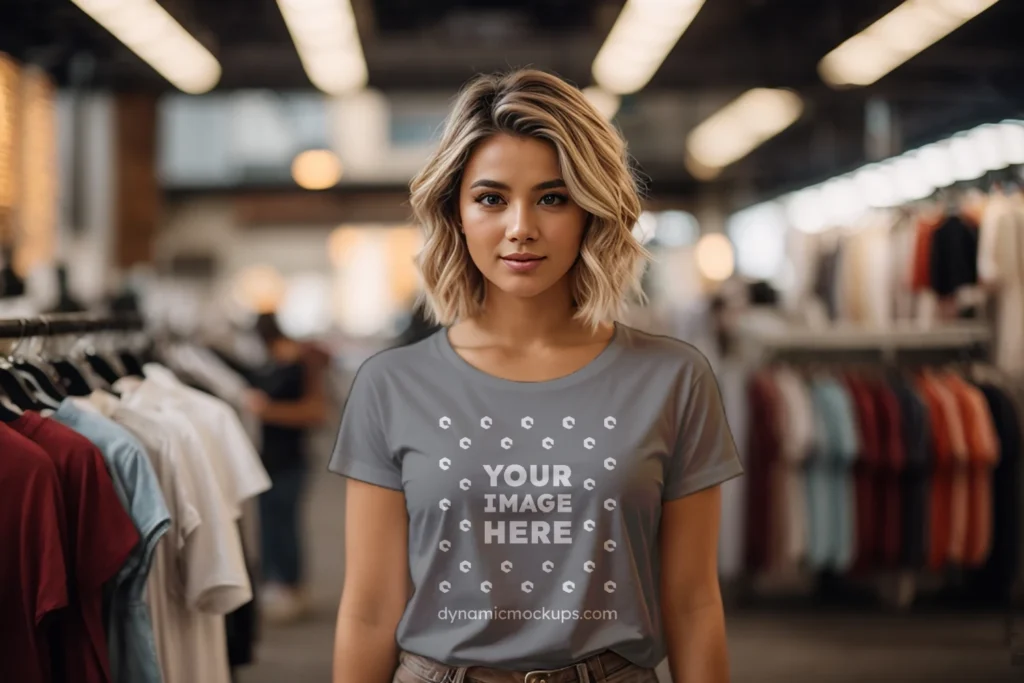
x=133, y=657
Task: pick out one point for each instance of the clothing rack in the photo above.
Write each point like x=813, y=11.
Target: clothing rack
x=69, y=323
x=769, y=337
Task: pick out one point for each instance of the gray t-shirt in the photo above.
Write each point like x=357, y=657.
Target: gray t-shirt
x=534, y=506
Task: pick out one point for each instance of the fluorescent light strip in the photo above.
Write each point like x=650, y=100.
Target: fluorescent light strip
x=740, y=127
x=327, y=40
x=894, y=39
x=909, y=177
x=643, y=35
x=606, y=103
x=151, y=33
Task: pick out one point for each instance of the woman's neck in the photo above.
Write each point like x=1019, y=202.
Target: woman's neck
x=519, y=322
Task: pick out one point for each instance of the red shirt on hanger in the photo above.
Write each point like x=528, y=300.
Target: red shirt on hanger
x=33, y=578
x=100, y=537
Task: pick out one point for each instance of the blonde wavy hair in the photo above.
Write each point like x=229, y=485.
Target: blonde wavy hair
x=597, y=173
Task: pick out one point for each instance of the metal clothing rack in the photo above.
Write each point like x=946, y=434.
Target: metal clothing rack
x=772, y=338
x=60, y=324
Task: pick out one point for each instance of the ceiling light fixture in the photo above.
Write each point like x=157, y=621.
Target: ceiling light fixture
x=606, y=103
x=316, y=169
x=327, y=40
x=151, y=33
x=641, y=38
x=894, y=39
x=740, y=127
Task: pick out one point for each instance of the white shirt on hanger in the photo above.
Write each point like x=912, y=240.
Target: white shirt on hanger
x=199, y=573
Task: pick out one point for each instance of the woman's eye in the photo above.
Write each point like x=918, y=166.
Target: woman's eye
x=552, y=199
x=489, y=199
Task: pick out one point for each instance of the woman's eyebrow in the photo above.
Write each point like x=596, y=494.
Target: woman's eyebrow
x=494, y=184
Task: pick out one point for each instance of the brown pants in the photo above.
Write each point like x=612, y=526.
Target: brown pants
x=604, y=667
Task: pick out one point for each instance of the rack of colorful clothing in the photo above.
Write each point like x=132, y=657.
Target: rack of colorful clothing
x=121, y=488
x=941, y=258
x=889, y=467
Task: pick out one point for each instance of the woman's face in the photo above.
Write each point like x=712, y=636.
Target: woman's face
x=522, y=229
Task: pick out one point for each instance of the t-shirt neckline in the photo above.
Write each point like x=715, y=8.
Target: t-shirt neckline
x=592, y=368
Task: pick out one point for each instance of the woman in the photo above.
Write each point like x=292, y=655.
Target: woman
x=290, y=399
x=533, y=490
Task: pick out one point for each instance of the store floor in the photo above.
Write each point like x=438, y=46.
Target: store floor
x=765, y=648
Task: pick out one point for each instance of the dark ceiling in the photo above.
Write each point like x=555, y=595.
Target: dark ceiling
x=977, y=74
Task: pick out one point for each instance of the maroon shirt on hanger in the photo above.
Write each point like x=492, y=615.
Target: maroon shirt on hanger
x=100, y=537
x=890, y=519
x=33, y=578
x=865, y=472
x=764, y=444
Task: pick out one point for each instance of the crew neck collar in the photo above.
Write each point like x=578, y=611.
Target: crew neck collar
x=597, y=365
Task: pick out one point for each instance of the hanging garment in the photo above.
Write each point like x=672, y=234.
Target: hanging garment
x=1001, y=266
x=830, y=477
x=100, y=539
x=921, y=271
x=764, y=448
x=959, y=505
x=892, y=455
x=915, y=427
x=33, y=566
x=198, y=573
x=866, y=472
x=983, y=456
x=901, y=247
x=129, y=626
x=1000, y=570
x=942, y=475
x=954, y=256
x=796, y=436
x=241, y=473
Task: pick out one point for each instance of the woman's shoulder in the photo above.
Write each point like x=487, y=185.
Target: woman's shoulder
x=399, y=360
x=663, y=350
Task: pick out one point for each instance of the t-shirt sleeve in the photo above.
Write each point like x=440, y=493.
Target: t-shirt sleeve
x=106, y=534
x=705, y=452
x=361, y=450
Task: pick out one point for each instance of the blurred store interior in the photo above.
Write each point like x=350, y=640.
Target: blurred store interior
x=832, y=196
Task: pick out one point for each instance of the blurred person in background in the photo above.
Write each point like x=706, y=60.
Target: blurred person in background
x=290, y=399
x=528, y=206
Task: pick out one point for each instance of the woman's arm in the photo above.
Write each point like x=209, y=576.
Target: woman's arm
x=691, y=599
x=376, y=586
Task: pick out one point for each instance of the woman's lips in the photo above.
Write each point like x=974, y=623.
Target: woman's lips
x=522, y=264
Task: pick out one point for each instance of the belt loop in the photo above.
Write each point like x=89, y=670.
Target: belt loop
x=598, y=667
x=460, y=674
x=582, y=673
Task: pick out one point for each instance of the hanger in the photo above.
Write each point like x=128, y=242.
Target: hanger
x=35, y=375
x=71, y=377
x=20, y=391
x=132, y=364
x=102, y=367
x=8, y=411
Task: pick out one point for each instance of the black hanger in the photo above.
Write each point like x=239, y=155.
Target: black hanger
x=8, y=411
x=72, y=379
x=19, y=390
x=132, y=365
x=41, y=379
x=38, y=380
x=102, y=368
